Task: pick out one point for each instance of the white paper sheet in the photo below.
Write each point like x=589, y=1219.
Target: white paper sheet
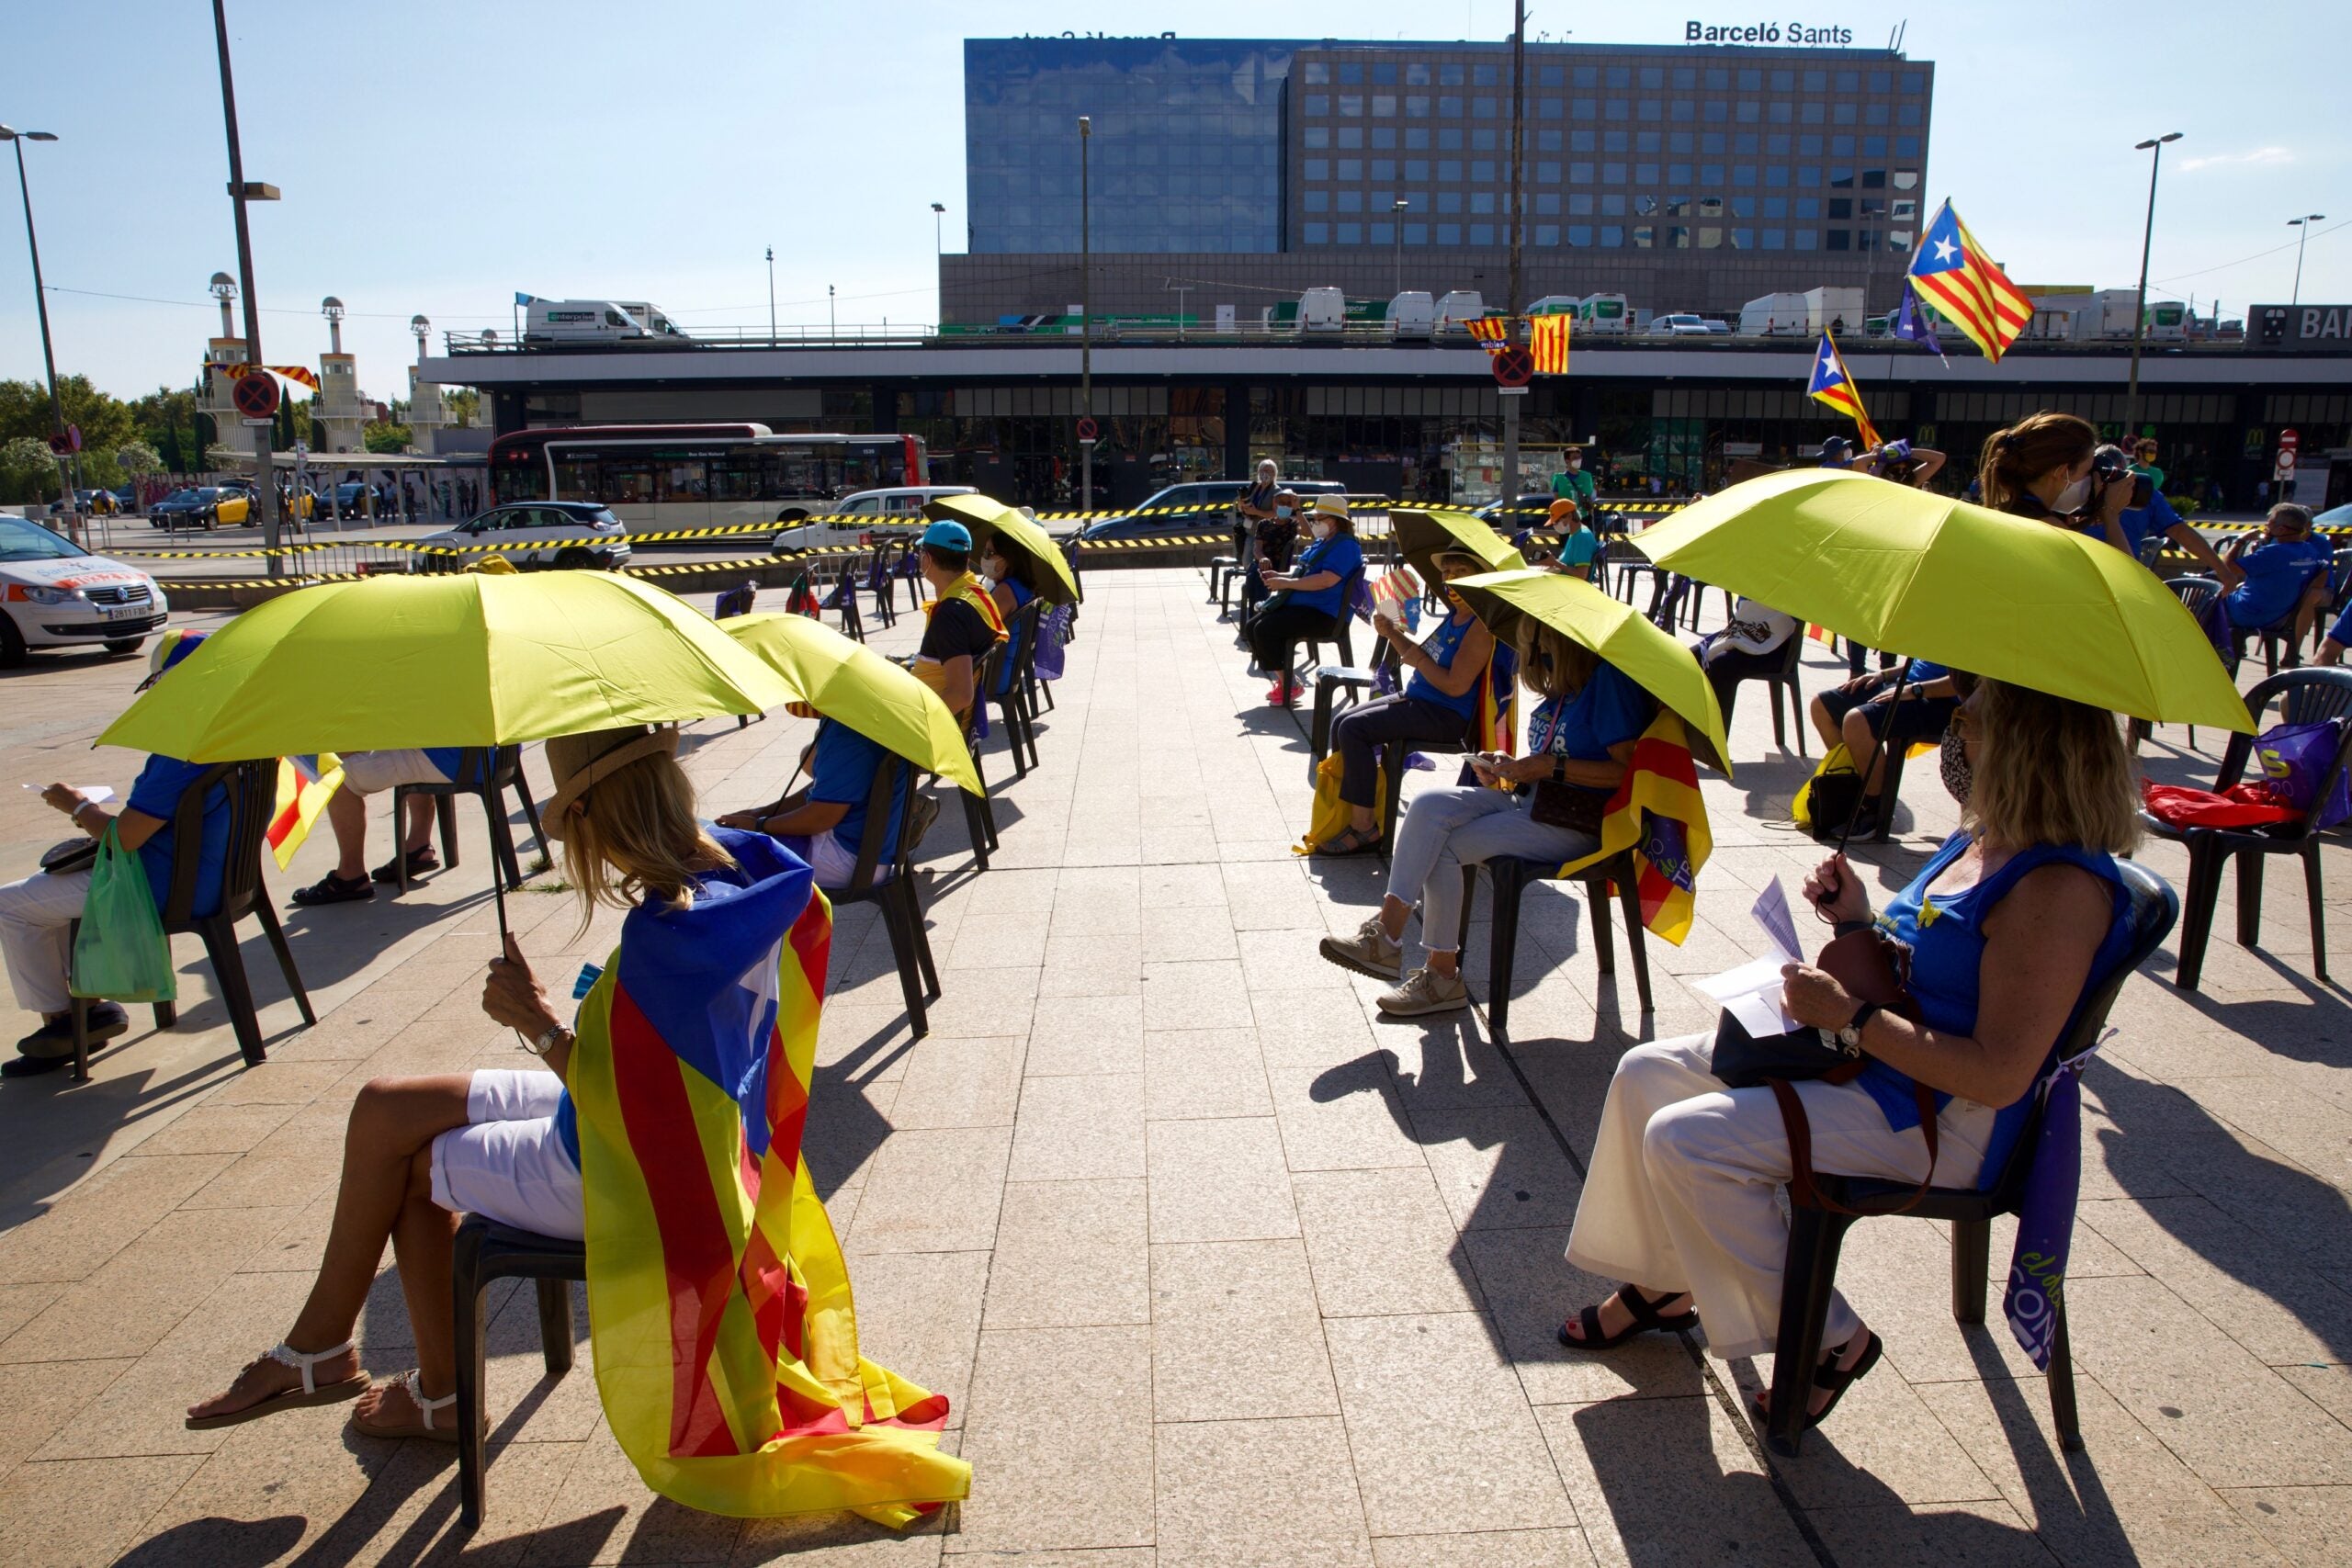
x=1772, y=912
x=1751, y=994
x=96, y=794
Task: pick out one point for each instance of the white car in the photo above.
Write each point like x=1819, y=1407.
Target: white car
x=567, y=533
x=866, y=514
x=56, y=595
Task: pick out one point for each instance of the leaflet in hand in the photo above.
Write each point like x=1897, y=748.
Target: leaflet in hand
x=1772, y=912
x=1752, y=992
x=94, y=794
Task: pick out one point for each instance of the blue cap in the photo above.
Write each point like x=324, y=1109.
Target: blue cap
x=948, y=535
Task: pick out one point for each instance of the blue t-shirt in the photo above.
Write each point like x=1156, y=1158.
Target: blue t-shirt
x=1338, y=554
x=2341, y=632
x=1019, y=631
x=1920, y=671
x=1442, y=645
x=2277, y=572
x=157, y=792
x=445, y=758
x=1946, y=935
x=841, y=774
x=2139, y=522
x=1607, y=711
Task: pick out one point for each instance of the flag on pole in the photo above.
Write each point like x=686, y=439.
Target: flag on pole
x=1952, y=272
x=522, y=299
x=1493, y=332
x=1913, y=323
x=304, y=785
x=1549, y=343
x=1831, y=385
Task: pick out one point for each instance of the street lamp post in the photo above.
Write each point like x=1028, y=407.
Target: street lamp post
x=41, y=305
x=2155, y=146
x=1085, y=315
x=2302, y=226
x=240, y=192
x=1397, y=232
x=771, y=295
x=939, y=258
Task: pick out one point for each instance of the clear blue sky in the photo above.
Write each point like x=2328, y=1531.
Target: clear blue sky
x=436, y=155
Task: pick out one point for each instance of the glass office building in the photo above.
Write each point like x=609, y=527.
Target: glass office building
x=1203, y=146
x=1187, y=143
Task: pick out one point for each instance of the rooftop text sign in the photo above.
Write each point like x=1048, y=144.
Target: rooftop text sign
x=2300, y=328
x=1765, y=32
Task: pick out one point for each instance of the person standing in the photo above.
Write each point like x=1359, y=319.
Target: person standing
x=1572, y=483
x=1266, y=525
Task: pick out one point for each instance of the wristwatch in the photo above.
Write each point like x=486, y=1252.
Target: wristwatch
x=546, y=1042
x=1850, y=1037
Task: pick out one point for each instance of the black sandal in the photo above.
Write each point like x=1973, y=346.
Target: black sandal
x=333, y=889
x=1833, y=1377
x=1354, y=841
x=1645, y=1318
x=419, y=862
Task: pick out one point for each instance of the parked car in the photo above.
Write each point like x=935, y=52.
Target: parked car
x=349, y=500
x=196, y=506
x=1677, y=325
x=892, y=512
x=1147, y=521
x=535, y=533
x=54, y=595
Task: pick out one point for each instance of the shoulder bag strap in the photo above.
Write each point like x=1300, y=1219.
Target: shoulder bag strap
x=1801, y=1188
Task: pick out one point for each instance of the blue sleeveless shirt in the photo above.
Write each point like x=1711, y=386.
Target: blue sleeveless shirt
x=1442, y=645
x=1021, y=596
x=1946, y=935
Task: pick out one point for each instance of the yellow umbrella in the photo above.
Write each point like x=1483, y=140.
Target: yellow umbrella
x=446, y=659
x=2005, y=597
x=1057, y=584
x=851, y=683
x=1643, y=654
x=1421, y=535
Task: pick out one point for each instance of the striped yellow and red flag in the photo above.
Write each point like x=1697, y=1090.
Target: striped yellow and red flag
x=718, y=1302
x=1493, y=332
x=1549, y=343
x=1830, y=384
x=304, y=787
x=1658, y=813
x=1951, y=270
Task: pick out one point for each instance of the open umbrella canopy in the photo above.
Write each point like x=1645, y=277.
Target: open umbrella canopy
x=455, y=659
x=851, y=683
x=1420, y=536
x=1649, y=657
x=2005, y=597
x=1057, y=584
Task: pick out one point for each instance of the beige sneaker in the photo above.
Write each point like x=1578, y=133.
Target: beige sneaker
x=1369, y=952
x=1425, y=991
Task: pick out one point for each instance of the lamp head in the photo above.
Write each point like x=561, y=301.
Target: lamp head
x=222, y=286
x=419, y=325
x=939, y=207
x=331, y=308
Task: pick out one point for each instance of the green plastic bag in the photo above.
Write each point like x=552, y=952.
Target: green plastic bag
x=121, y=953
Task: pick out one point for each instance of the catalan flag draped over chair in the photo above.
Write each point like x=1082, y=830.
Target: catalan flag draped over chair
x=1657, y=814
x=1830, y=384
x=718, y=1303
x=304, y=784
x=1952, y=272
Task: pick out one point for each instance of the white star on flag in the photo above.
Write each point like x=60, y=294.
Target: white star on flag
x=1829, y=368
x=1946, y=250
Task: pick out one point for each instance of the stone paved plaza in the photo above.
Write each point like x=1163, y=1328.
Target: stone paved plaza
x=1217, y=1266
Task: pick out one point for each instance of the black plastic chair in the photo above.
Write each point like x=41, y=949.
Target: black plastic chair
x=979, y=811
x=485, y=1251
x=2305, y=696
x=1330, y=679
x=892, y=890
x=1016, y=703
x=1816, y=1235
x=1512, y=878
x=252, y=790
x=1347, y=586
x=485, y=774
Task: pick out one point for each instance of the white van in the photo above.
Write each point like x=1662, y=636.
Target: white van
x=1462, y=305
x=595, y=321
x=1603, y=313
x=1554, y=305
x=1412, y=314
x=1322, y=310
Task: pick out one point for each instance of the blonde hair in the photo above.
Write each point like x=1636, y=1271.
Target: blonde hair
x=1551, y=663
x=2048, y=770
x=637, y=822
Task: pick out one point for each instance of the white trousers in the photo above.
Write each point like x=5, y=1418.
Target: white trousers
x=34, y=915
x=1681, y=1195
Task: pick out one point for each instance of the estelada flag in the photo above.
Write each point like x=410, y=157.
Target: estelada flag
x=1830, y=384
x=304, y=785
x=1951, y=271
x=1549, y=344
x=718, y=1303
x=1657, y=814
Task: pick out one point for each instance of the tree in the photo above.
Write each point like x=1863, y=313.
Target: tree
x=137, y=460
x=387, y=437
x=168, y=422
x=27, y=469
x=463, y=404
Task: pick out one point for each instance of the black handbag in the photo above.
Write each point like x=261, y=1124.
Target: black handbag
x=1558, y=804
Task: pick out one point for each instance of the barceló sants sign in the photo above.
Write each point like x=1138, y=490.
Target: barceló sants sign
x=1766, y=32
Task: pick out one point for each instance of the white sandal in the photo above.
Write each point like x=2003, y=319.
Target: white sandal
x=426, y=1408
x=311, y=1392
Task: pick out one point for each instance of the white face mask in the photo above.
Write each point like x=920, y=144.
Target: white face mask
x=1322, y=530
x=2071, y=499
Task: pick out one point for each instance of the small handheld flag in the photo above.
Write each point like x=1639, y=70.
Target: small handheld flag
x=1831, y=385
x=1550, y=344
x=1952, y=272
x=304, y=785
x=1913, y=323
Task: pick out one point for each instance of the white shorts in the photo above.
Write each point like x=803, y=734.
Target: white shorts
x=508, y=1164
x=368, y=773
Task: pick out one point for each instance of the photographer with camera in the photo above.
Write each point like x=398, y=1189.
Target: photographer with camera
x=2147, y=512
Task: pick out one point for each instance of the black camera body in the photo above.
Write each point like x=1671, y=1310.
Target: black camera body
x=2108, y=465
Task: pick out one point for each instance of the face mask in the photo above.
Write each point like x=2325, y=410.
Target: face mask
x=2071, y=499
x=1322, y=530
x=1282, y=511
x=1957, y=775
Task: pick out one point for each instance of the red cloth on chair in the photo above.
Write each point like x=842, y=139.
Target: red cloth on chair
x=2240, y=805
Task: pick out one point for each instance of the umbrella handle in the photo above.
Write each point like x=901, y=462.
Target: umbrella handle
x=1878, y=749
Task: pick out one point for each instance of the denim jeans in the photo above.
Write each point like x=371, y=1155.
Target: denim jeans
x=1448, y=829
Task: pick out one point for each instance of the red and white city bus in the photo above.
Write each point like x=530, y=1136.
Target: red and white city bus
x=696, y=476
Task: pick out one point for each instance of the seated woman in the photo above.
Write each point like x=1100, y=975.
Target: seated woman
x=506, y=1144
x=37, y=915
x=1751, y=646
x=1437, y=706
x=2286, y=574
x=825, y=823
x=1012, y=582
x=2010, y=926
x=1870, y=718
x=1307, y=602
x=1581, y=735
